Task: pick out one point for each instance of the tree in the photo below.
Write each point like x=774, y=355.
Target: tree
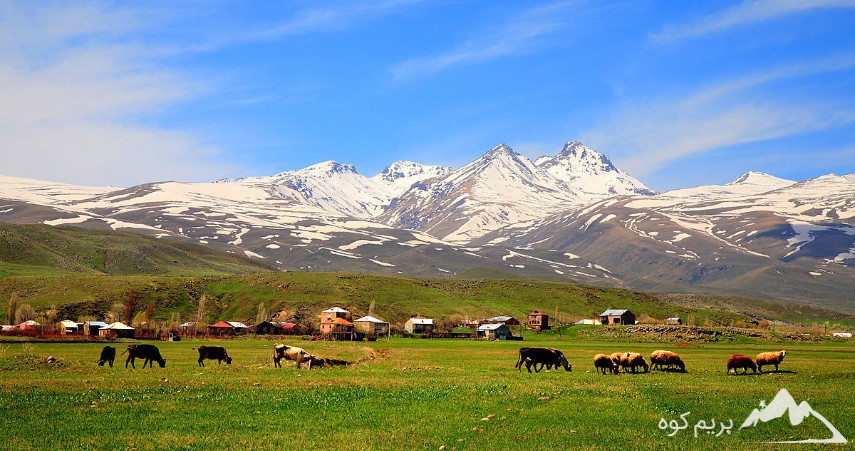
x=201, y=311
x=371, y=308
x=13, y=308
x=25, y=313
x=261, y=316
x=117, y=312
x=149, y=315
x=130, y=306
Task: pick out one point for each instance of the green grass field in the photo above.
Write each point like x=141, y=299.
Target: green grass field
x=414, y=393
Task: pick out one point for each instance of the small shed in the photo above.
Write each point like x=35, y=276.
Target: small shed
x=29, y=326
x=494, y=331
x=614, y=316
x=538, y=320
x=586, y=322
x=67, y=327
x=240, y=328
x=221, y=328
x=419, y=325
x=371, y=326
x=91, y=328
x=673, y=321
x=117, y=330
x=506, y=320
x=277, y=328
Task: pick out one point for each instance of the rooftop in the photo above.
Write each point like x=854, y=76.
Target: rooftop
x=613, y=312
x=370, y=319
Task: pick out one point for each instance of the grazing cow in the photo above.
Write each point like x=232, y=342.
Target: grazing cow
x=148, y=352
x=631, y=361
x=542, y=356
x=108, y=355
x=737, y=361
x=217, y=353
x=770, y=358
x=603, y=362
x=294, y=353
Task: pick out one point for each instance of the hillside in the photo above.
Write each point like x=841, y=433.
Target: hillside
x=395, y=298
x=51, y=251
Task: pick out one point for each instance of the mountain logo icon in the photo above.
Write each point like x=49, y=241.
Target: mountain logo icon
x=784, y=404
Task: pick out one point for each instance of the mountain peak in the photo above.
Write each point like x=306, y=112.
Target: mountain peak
x=501, y=149
x=329, y=166
x=754, y=178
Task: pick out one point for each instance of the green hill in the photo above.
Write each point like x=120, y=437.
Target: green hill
x=237, y=297
x=50, y=251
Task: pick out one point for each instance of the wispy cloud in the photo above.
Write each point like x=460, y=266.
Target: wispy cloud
x=745, y=13
x=651, y=134
x=80, y=99
x=334, y=17
x=518, y=36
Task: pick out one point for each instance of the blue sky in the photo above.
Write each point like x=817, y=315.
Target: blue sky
x=676, y=93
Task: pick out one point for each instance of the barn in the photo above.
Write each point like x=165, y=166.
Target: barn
x=495, y=331
x=117, y=330
x=419, y=325
x=614, y=316
x=371, y=326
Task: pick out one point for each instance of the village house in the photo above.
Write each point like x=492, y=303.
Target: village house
x=494, y=331
x=613, y=316
x=67, y=327
x=29, y=326
x=221, y=328
x=117, y=330
x=371, y=326
x=506, y=320
x=538, y=321
x=673, y=321
x=419, y=325
x=334, y=323
x=91, y=328
x=278, y=328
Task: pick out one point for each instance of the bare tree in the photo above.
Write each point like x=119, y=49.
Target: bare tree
x=201, y=312
x=25, y=313
x=13, y=308
x=130, y=306
x=149, y=315
x=261, y=316
x=371, y=308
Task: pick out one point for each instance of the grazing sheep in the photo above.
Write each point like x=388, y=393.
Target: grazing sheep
x=616, y=357
x=770, y=358
x=737, y=361
x=633, y=360
x=666, y=360
x=603, y=362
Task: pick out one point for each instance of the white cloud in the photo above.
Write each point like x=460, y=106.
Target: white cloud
x=80, y=99
x=745, y=13
x=515, y=37
x=650, y=134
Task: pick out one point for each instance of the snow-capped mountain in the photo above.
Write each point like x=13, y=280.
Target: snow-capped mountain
x=505, y=189
x=401, y=175
x=589, y=173
x=574, y=216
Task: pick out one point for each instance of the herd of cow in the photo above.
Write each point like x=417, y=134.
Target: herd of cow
x=151, y=354
x=632, y=361
x=536, y=358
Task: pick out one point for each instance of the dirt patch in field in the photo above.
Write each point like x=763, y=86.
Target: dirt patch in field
x=660, y=333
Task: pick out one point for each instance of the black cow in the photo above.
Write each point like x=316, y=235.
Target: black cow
x=542, y=356
x=217, y=353
x=148, y=352
x=108, y=355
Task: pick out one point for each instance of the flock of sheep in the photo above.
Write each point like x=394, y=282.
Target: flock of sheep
x=667, y=360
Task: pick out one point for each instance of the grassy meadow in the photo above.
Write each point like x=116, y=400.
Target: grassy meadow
x=409, y=394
